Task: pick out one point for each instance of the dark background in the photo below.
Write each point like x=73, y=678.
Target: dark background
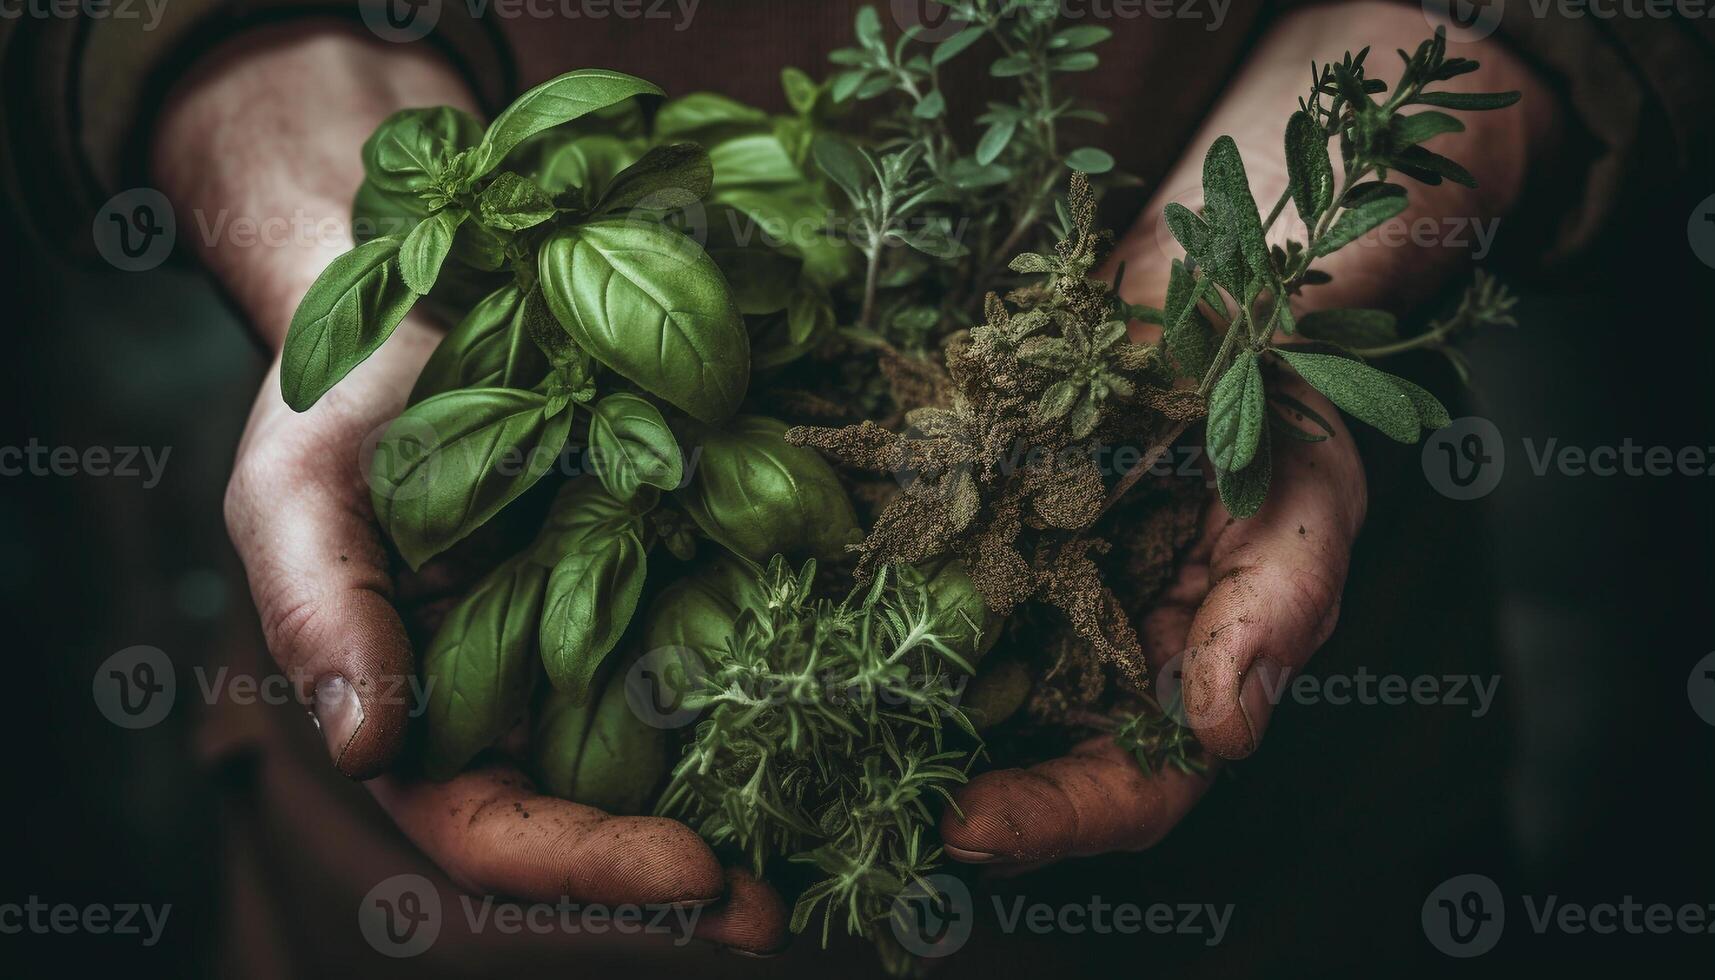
x=1596, y=591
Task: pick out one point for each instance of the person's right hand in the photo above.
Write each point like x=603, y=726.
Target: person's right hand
x=239, y=138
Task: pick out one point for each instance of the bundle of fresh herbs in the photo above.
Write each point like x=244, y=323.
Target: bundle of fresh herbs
x=636, y=281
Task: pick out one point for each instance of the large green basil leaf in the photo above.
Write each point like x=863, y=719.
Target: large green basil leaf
x=376, y=213
x=700, y=611
x=598, y=752
x=592, y=594
x=760, y=496
x=630, y=445
x=450, y=463
x=667, y=178
x=490, y=348
x=551, y=103
x=648, y=302
x=752, y=161
x=584, y=509
x=480, y=667
x=350, y=311
x=412, y=146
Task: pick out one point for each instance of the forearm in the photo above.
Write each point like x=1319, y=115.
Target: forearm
x=1397, y=266
x=264, y=136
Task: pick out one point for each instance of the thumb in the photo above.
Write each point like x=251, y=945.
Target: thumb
x=298, y=511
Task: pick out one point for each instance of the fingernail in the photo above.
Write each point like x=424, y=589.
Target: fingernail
x=1256, y=698
x=968, y=857
x=338, y=713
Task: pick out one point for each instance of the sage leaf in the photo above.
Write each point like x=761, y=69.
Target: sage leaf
x=1308, y=167
x=1236, y=413
x=451, y=462
x=843, y=164
x=556, y=101
x=488, y=349
x=350, y=310
x=425, y=249
x=994, y=140
x=630, y=445
x=649, y=303
x=1233, y=216
x=481, y=665
x=1090, y=160
x=758, y=495
x=1243, y=491
x=1355, y=222
x=1350, y=328
x=951, y=48
x=592, y=595
x=1186, y=334
x=666, y=178
x=1360, y=391
x=1430, y=412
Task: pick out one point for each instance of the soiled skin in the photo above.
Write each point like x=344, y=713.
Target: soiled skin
x=271, y=123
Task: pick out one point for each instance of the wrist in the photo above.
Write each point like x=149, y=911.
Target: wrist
x=259, y=151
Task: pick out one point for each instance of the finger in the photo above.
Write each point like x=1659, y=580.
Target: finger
x=492, y=833
x=1274, y=584
x=1093, y=800
x=299, y=514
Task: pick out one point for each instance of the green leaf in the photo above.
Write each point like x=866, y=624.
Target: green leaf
x=1186, y=334
x=1188, y=229
x=801, y=92
x=649, y=303
x=758, y=495
x=450, y=463
x=488, y=349
x=412, y=146
x=1430, y=412
x=513, y=203
x=1309, y=170
x=597, y=751
x=1082, y=36
x=1090, y=160
x=762, y=280
x=698, y=112
x=1010, y=66
x=480, y=667
x=630, y=445
x=1411, y=130
x=1469, y=101
x=752, y=161
x=1431, y=168
x=845, y=84
x=869, y=28
x=1078, y=61
x=933, y=106
x=994, y=140
x=1232, y=215
x=425, y=249
x=1360, y=391
x=1243, y=491
x=350, y=310
x=559, y=100
x=1355, y=222
x=1236, y=413
x=843, y=164
x=667, y=178
x=951, y=48
x=592, y=595
x=376, y=213
x=581, y=169
x=1350, y=328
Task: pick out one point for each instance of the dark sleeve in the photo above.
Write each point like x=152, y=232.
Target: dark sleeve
x=79, y=95
x=1638, y=80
